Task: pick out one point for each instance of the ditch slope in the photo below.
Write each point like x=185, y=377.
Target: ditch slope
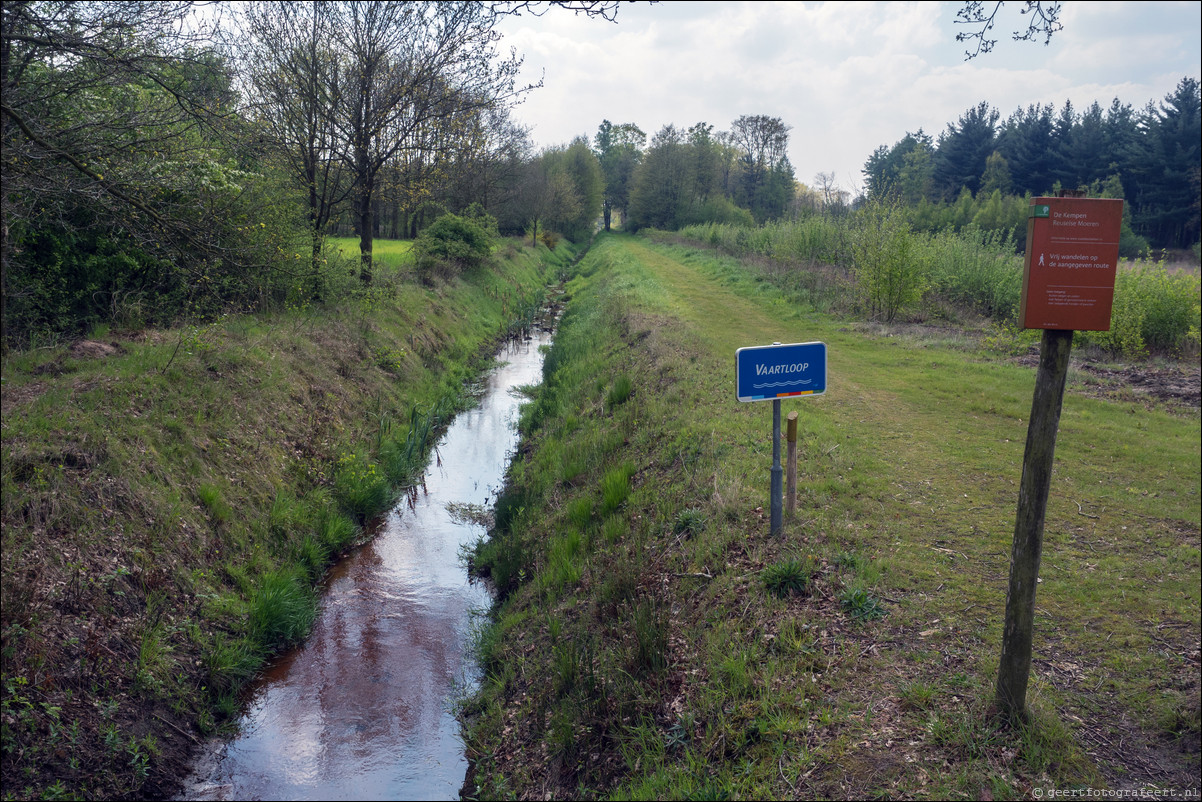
x=170, y=499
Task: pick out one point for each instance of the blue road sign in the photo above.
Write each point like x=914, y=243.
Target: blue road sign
x=772, y=372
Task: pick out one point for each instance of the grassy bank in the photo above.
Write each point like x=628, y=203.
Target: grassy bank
x=655, y=642
x=171, y=497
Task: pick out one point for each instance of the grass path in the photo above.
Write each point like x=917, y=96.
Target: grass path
x=908, y=484
x=939, y=436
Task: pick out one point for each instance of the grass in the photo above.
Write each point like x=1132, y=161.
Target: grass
x=790, y=577
x=855, y=656
x=167, y=508
x=395, y=254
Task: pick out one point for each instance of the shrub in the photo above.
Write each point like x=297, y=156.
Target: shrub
x=888, y=275
x=717, y=209
x=459, y=242
x=976, y=268
x=1152, y=310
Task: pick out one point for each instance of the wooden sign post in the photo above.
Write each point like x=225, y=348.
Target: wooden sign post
x=1068, y=284
x=773, y=372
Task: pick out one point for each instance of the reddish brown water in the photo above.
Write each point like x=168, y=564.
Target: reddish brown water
x=363, y=710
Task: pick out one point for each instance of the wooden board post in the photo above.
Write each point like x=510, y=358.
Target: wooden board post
x=791, y=466
x=1014, y=670
x=775, y=510
x=1068, y=284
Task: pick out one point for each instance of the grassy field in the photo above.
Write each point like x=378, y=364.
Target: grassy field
x=171, y=497
x=655, y=642
x=390, y=253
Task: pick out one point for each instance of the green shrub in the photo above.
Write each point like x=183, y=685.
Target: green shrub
x=1153, y=311
x=889, y=276
x=976, y=268
x=717, y=209
x=459, y=242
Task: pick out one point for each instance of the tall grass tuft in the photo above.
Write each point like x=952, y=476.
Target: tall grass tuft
x=360, y=486
x=651, y=638
x=620, y=392
x=789, y=577
x=282, y=608
x=615, y=488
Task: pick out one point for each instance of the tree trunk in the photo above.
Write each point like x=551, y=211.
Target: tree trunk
x=366, y=227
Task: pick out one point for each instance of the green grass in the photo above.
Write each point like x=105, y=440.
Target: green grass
x=908, y=484
x=392, y=253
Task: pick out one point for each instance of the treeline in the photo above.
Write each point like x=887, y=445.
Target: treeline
x=162, y=163
x=981, y=167
x=166, y=162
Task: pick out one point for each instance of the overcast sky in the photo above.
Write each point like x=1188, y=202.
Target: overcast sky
x=847, y=77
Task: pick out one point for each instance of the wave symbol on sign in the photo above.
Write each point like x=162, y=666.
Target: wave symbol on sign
x=780, y=384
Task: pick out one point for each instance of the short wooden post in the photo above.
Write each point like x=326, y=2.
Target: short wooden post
x=1015, y=667
x=791, y=466
x=775, y=507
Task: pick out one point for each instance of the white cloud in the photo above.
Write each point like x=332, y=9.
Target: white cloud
x=846, y=76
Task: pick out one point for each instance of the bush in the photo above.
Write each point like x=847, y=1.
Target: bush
x=976, y=268
x=1153, y=310
x=462, y=243
x=889, y=276
x=717, y=209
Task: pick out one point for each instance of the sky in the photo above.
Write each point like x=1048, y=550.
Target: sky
x=847, y=77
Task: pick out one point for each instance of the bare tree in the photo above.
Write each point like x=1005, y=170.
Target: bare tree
x=1043, y=21
x=410, y=69
x=833, y=196
x=764, y=140
x=290, y=79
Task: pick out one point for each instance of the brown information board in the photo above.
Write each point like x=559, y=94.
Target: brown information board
x=1072, y=257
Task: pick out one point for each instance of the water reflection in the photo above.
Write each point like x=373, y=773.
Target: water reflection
x=362, y=710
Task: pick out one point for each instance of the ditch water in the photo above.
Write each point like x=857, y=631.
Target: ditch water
x=364, y=708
